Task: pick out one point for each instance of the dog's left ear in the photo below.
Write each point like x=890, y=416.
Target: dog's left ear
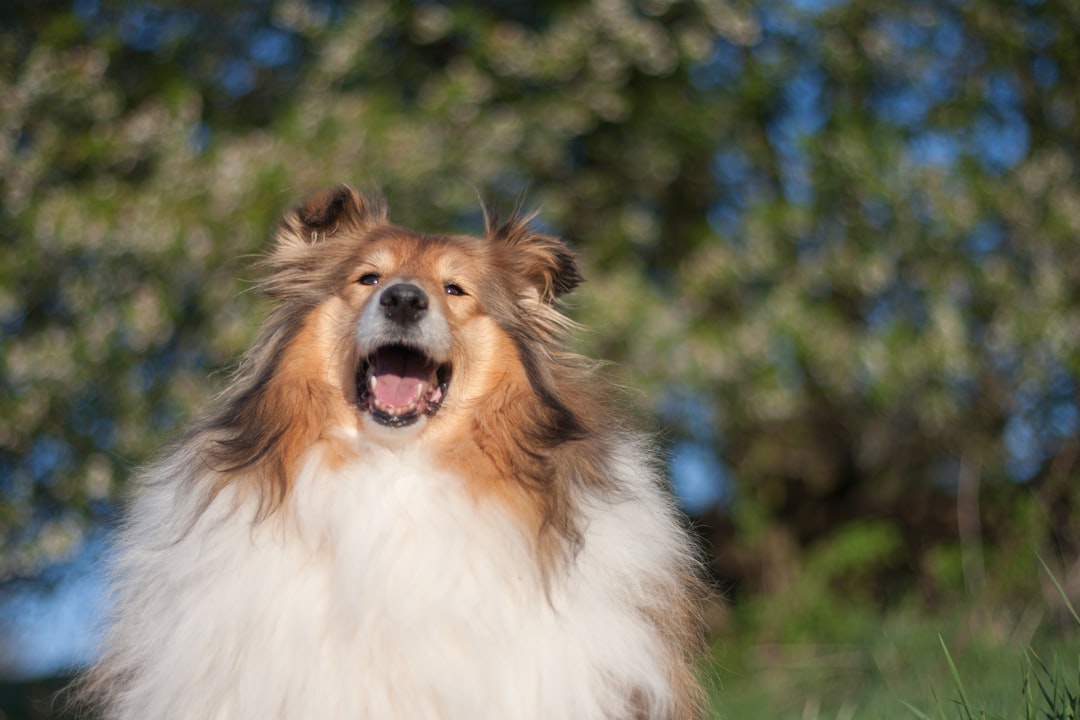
x=543, y=260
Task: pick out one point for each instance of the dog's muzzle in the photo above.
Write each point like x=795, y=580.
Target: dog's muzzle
x=400, y=381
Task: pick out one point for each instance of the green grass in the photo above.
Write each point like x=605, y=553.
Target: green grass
x=968, y=664
x=900, y=664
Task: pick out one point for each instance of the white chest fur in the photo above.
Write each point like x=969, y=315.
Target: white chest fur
x=384, y=590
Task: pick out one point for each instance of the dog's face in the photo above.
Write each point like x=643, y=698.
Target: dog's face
x=405, y=342
x=419, y=324
x=412, y=330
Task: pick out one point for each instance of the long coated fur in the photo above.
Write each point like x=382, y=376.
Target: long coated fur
x=409, y=502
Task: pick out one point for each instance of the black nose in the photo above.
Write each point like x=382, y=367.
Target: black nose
x=404, y=303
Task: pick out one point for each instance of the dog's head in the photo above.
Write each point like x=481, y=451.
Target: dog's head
x=411, y=328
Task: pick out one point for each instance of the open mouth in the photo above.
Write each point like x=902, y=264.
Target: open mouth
x=398, y=384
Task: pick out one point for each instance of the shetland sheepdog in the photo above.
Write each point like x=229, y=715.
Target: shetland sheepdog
x=409, y=502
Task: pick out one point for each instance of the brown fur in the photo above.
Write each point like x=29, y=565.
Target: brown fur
x=522, y=417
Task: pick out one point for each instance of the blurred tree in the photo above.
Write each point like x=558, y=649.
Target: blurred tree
x=833, y=242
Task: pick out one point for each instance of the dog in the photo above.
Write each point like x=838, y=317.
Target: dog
x=409, y=502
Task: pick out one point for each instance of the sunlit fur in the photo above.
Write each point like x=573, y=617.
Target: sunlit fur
x=510, y=555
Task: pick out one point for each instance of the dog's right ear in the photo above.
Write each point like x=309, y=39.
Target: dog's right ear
x=291, y=266
x=326, y=213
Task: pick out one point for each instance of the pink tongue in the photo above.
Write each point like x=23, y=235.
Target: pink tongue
x=400, y=374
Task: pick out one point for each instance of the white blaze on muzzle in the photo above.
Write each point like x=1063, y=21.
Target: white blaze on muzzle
x=404, y=343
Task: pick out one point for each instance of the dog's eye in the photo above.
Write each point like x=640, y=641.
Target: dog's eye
x=454, y=289
x=369, y=279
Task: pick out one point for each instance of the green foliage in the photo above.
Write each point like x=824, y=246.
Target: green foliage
x=832, y=593
x=846, y=230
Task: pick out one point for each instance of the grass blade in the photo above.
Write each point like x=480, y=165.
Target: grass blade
x=1061, y=590
x=964, y=703
x=937, y=701
x=915, y=711
x=1027, y=699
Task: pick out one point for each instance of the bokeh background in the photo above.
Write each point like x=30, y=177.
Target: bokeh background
x=832, y=247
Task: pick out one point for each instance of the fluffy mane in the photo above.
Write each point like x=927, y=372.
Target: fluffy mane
x=288, y=485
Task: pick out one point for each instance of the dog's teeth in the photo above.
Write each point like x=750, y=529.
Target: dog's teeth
x=372, y=381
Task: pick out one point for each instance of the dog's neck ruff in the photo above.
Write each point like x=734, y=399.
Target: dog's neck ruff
x=383, y=589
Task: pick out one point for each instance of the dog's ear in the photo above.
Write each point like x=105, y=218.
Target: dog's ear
x=544, y=261
x=341, y=205
x=326, y=213
x=292, y=266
